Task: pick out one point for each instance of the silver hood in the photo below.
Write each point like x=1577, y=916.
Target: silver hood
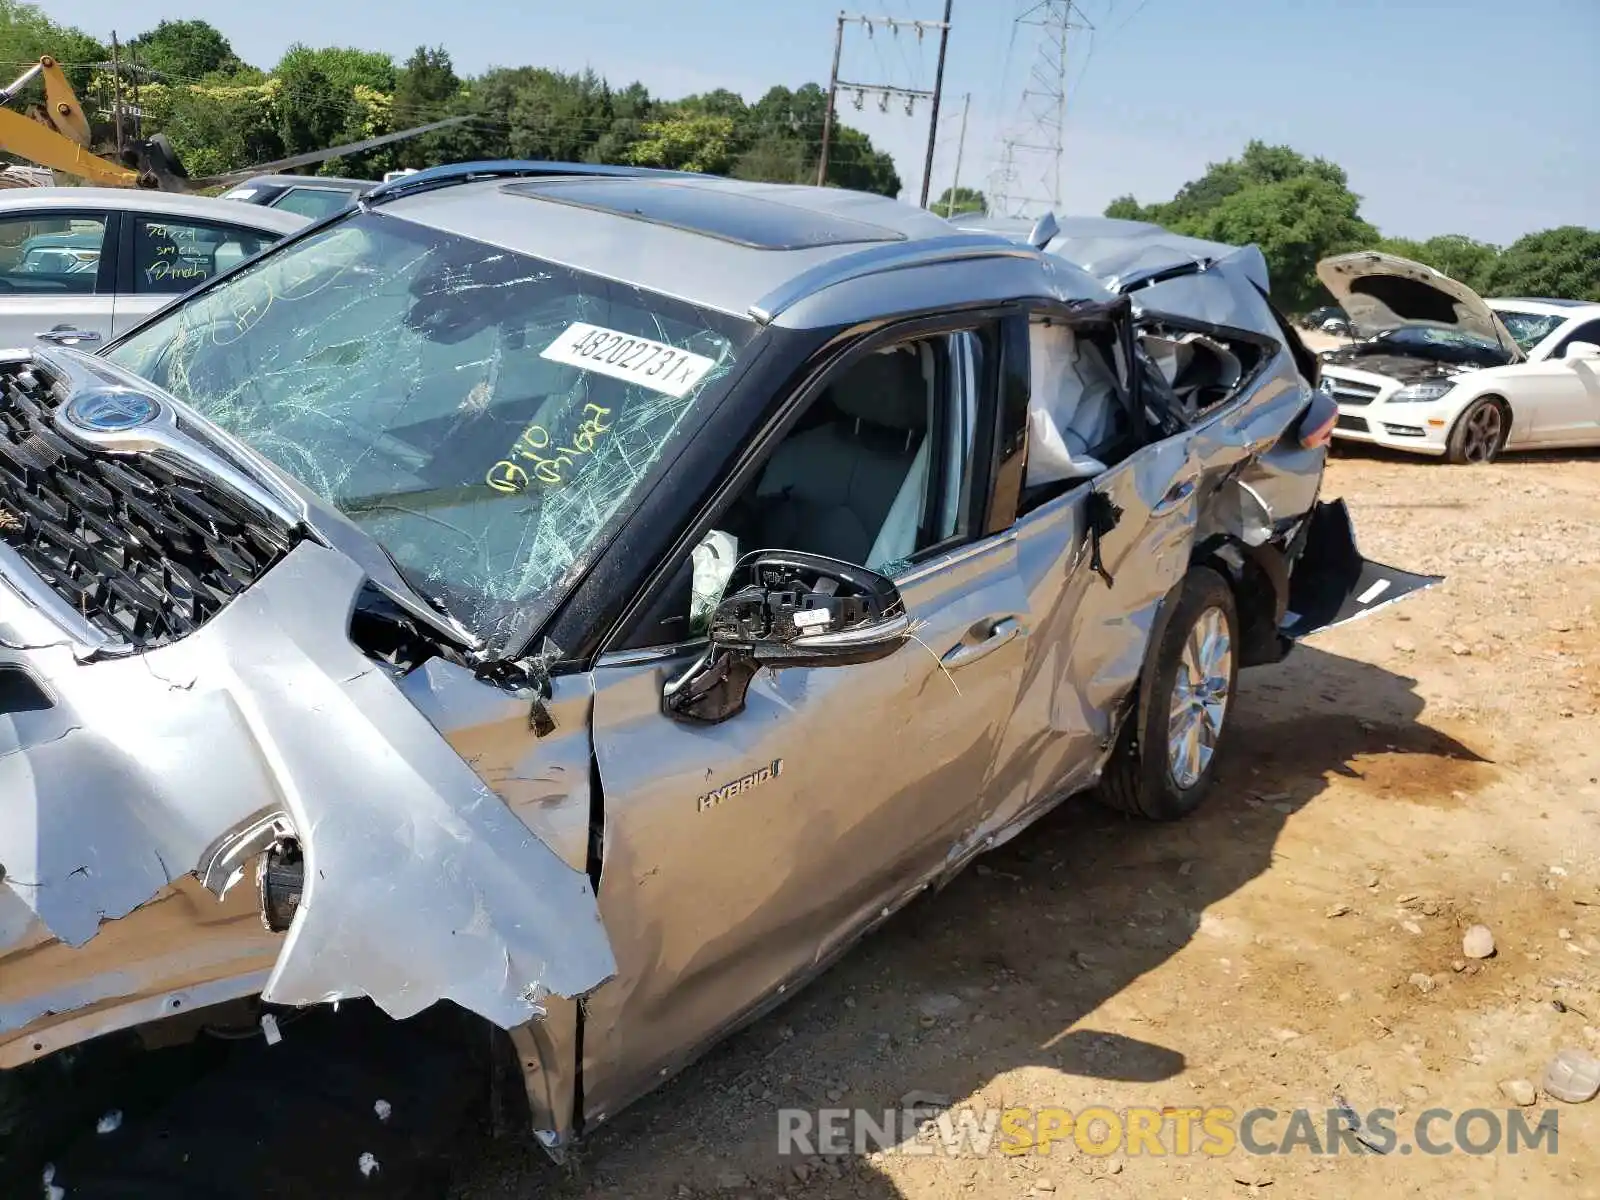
x=1380, y=292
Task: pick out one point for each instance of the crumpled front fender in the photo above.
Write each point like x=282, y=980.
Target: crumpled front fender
x=420, y=884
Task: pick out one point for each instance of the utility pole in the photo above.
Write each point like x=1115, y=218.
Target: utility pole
x=938, y=90
x=961, y=145
x=883, y=92
x=138, y=109
x=116, y=90
x=833, y=93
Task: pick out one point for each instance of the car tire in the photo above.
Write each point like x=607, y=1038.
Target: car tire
x=1150, y=774
x=1479, y=433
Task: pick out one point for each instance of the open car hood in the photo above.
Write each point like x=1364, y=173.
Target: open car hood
x=1380, y=292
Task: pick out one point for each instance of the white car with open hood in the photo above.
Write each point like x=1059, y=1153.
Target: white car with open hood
x=1435, y=369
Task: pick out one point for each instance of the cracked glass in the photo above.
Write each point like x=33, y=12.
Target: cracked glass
x=484, y=415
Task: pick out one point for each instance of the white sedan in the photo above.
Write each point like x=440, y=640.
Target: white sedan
x=1438, y=370
x=80, y=265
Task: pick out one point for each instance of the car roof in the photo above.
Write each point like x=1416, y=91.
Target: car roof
x=1120, y=252
x=736, y=246
x=333, y=182
x=1544, y=305
x=173, y=205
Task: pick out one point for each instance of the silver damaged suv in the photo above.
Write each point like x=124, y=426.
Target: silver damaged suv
x=543, y=584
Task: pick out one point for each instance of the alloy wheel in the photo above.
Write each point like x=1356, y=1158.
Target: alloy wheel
x=1482, y=438
x=1200, y=696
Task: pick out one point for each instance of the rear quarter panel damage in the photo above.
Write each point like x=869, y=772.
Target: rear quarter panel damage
x=1091, y=639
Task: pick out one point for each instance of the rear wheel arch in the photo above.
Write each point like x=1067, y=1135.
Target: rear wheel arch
x=1135, y=778
x=1259, y=579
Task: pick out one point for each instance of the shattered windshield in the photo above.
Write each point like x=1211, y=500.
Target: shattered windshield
x=483, y=415
x=1527, y=329
x=1445, y=345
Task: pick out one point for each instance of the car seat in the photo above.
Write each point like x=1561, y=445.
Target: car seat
x=831, y=489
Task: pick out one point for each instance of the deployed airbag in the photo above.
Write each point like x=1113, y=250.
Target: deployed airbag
x=1071, y=406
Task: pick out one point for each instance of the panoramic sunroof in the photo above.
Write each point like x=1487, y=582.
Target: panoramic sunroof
x=731, y=216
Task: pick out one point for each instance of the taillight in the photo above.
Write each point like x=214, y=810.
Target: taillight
x=1316, y=427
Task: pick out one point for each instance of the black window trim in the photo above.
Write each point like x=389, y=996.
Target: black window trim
x=812, y=379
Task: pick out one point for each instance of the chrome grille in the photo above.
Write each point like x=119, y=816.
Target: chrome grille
x=1348, y=391
x=145, y=553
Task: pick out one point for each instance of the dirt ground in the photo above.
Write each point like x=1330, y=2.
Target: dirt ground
x=1393, y=783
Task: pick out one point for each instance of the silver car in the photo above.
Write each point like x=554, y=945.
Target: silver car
x=79, y=265
x=599, y=600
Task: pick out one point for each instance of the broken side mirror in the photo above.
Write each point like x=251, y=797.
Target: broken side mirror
x=786, y=609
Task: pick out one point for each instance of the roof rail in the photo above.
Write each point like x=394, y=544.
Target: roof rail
x=507, y=168
x=876, y=260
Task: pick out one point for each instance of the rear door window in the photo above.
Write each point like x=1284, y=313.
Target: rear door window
x=171, y=257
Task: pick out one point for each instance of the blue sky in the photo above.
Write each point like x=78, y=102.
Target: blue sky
x=1464, y=116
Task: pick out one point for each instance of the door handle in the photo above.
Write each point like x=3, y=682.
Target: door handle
x=62, y=336
x=1176, y=495
x=1000, y=633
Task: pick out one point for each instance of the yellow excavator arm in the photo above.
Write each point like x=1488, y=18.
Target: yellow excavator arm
x=56, y=134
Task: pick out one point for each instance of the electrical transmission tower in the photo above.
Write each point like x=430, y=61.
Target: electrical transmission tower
x=1029, y=174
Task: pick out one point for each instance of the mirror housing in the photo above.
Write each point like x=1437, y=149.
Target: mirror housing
x=1583, y=350
x=786, y=609
x=1044, y=231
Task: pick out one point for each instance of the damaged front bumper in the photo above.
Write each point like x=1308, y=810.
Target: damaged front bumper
x=146, y=776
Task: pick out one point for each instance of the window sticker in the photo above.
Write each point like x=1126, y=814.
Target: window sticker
x=636, y=360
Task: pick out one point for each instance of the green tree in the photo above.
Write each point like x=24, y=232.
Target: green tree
x=425, y=85
x=854, y=163
x=216, y=128
x=26, y=35
x=776, y=160
x=345, y=67
x=1467, y=261
x=1297, y=209
x=1126, y=208
x=312, y=112
x=1296, y=222
x=956, y=201
x=426, y=89
x=1563, y=263
x=720, y=103
x=184, y=51
x=685, y=141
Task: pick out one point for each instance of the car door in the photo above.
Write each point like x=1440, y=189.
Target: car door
x=161, y=257
x=56, y=277
x=738, y=857
x=1568, y=388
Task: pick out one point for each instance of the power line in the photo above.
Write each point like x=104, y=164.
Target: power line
x=884, y=93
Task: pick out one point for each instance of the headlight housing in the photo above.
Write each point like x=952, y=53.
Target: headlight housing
x=1422, y=393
